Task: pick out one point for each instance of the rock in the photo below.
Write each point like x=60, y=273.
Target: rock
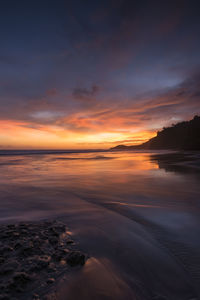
x=53, y=240
x=23, y=231
x=75, y=258
x=40, y=263
x=36, y=297
x=3, y=288
x=9, y=233
x=2, y=260
x=6, y=249
x=36, y=241
x=27, y=251
x=23, y=225
x=18, y=282
x=4, y=297
x=40, y=249
x=159, y=297
x=16, y=234
x=69, y=242
x=6, y=270
x=9, y=267
x=21, y=278
x=11, y=226
x=17, y=245
x=53, y=232
x=57, y=256
x=19, y=289
x=50, y=280
x=64, y=252
x=60, y=228
x=51, y=270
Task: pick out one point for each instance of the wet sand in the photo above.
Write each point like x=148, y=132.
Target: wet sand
x=137, y=259
x=139, y=227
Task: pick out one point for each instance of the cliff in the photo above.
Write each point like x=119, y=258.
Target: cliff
x=181, y=136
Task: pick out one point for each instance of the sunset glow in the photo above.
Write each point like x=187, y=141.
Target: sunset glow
x=22, y=135
x=98, y=76
x=100, y=149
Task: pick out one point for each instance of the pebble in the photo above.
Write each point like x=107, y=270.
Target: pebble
x=11, y=226
x=70, y=242
x=6, y=249
x=75, y=258
x=53, y=240
x=2, y=260
x=35, y=297
x=21, y=278
x=17, y=245
x=4, y=297
x=40, y=263
x=9, y=268
x=31, y=255
x=50, y=280
x=159, y=297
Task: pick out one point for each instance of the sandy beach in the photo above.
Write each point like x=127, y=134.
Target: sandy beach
x=129, y=233
x=99, y=150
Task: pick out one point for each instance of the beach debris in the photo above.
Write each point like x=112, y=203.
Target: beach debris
x=32, y=257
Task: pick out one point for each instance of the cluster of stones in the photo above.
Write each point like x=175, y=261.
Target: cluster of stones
x=32, y=256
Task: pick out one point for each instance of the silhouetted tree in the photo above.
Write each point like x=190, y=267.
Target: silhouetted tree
x=184, y=135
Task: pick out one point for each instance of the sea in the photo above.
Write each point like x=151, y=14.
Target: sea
x=137, y=214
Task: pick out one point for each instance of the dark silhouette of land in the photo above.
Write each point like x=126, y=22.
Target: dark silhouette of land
x=181, y=136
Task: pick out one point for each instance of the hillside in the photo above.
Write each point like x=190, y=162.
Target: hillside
x=182, y=136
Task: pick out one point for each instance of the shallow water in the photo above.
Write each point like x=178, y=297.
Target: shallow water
x=136, y=213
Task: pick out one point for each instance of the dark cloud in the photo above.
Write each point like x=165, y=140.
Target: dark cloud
x=182, y=101
x=86, y=94
x=88, y=66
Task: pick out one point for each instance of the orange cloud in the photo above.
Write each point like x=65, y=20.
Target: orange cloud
x=15, y=134
x=99, y=124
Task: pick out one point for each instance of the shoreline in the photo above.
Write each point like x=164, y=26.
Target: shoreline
x=140, y=233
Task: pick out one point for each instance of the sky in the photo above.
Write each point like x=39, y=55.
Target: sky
x=95, y=74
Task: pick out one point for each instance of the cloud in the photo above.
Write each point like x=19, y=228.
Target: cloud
x=105, y=113
x=110, y=66
x=86, y=94
x=52, y=92
x=108, y=121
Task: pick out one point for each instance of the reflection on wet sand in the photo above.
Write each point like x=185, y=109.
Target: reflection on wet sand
x=96, y=280
x=135, y=213
x=178, y=162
